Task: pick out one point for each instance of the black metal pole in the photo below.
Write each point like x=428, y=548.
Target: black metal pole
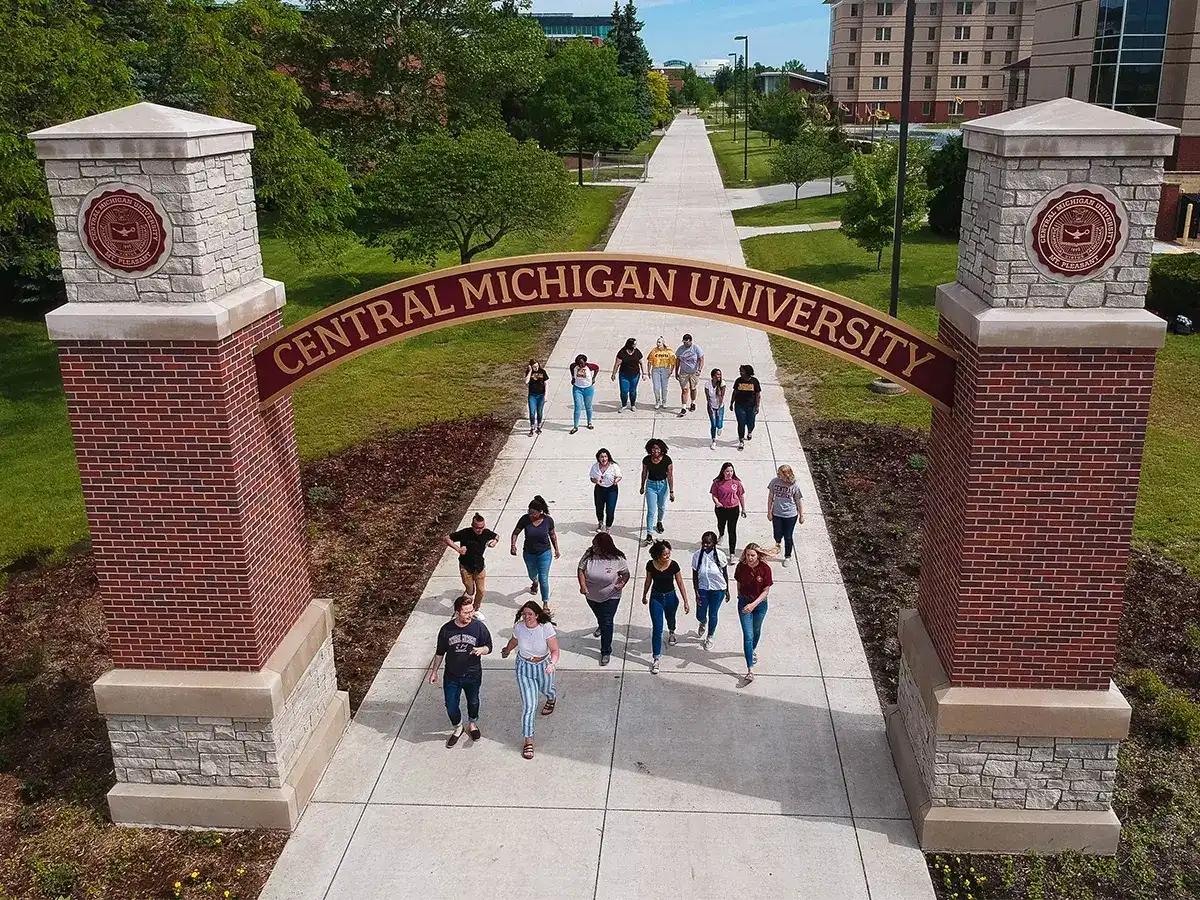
x=746, y=130
x=910, y=13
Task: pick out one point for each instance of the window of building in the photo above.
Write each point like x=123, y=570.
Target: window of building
x=991, y=9
x=933, y=34
x=958, y=82
x=853, y=9
x=929, y=58
x=929, y=82
x=883, y=59
x=933, y=9
x=987, y=57
x=853, y=59
x=984, y=81
x=990, y=32
x=1007, y=57
x=1070, y=80
x=854, y=34
x=883, y=9
x=850, y=83
x=960, y=57
x=1078, y=19
x=962, y=32
x=1012, y=8
x=879, y=83
x=883, y=34
x=926, y=108
x=1012, y=32
x=963, y=8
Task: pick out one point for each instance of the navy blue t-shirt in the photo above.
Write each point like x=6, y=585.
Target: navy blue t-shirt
x=455, y=642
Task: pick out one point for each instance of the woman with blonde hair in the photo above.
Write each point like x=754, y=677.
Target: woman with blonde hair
x=785, y=507
x=660, y=362
x=754, y=580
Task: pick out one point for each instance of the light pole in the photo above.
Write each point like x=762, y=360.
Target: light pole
x=745, y=38
x=733, y=94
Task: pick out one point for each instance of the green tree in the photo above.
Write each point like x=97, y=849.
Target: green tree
x=53, y=68
x=584, y=105
x=633, y=60
x=800, y=160
x=443, y=193
x=660, y=96
x=794, y=65
x=947, y=180
x=723, y=80
x=780, y=115
x=871, y=199
x=838, y=151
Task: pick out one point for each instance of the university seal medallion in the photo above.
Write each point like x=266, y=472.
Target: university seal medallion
x=124, y=231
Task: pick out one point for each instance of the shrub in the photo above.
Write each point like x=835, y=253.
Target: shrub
x=1145, y=684
x=12, y=709
x=1178, y=717
x=54, y=879
x=918, y=462
x=947, y=180
x=320, y=495
x=1175, y=286
x=1191, y=640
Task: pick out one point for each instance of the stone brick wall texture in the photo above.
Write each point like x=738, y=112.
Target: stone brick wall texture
x=193, y=499
x=210, y=202
x=1029, y=508
x=224, y=752
x=999, y=195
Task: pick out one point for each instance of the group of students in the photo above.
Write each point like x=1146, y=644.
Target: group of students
x=685, y=364
x=603, y=573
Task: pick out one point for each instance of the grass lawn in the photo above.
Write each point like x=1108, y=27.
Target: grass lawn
x=450, y=374
x=789, y=212
x=729, y=158
x=1167, y=519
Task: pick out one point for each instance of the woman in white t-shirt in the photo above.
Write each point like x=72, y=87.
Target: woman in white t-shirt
x=710, y=579
x=605, y=475
x=583, y=388
x=536, y=643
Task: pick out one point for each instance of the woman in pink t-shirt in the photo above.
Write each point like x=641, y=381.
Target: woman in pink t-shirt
x=729, y=502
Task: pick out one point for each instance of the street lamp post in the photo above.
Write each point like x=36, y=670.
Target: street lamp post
x=733, y=95
x=745, y=38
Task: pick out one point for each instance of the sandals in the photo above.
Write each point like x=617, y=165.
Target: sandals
x=548, y=708
x=527, y=750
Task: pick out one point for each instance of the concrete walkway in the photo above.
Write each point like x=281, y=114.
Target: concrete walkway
x=683, y=783
x=749, y=231
x=742, y=198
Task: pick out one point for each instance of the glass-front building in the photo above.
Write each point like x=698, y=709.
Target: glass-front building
x=1127, y=59
x=565, y=26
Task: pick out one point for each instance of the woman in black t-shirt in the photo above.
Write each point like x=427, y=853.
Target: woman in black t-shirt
x=658, y=483
x=747, y=396
x=535, y=377
x=629, y=365
x=662, y=590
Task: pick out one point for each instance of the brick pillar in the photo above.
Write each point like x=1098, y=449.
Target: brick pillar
x=1008, y=724
x=223, y=707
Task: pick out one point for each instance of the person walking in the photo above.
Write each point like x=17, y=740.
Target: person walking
x=462, y=642
x=470, y=544
x=662, y=591
x=689, y=361
x=535, y=378
x=714, y=394
x=603, y=574
x=629, y=367
x=753, y=577
x=710, y=581
x=540, y=548
x=536, y=643
x=785, y=507
x=583, y=388
x=605, y=475
x=661, y=362
x=658, y=483
x=729, y=503
x=747, y=397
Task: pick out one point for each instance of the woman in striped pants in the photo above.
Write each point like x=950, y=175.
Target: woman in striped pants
x=537, y=654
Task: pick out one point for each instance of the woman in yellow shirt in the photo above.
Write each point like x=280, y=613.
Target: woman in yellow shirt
x=661, y=361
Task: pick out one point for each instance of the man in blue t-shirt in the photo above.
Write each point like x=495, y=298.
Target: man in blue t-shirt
x=463, y=641
x=689, y=361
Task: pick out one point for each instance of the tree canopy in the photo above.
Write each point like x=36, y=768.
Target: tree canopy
x=443, y=193
x=660, y=97
x=800, y=160
x=947, y=180
x=871, y=199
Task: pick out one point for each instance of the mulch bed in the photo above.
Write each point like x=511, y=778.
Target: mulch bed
x=378, y=511
x=870, y=480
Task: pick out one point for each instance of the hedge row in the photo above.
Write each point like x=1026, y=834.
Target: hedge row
x=1175, y=286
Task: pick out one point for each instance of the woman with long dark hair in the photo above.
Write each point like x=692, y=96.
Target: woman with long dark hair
x=535, y=378
x=603, y=574
x=714, y=393
x=629, y=367
x=662, y=590
x=729, y=502
x=583, y=388
x=540, y=540
x=658, y=483
x=536, y=643
x=605, y=475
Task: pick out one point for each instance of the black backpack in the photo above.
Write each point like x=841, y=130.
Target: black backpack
x=1182, y=325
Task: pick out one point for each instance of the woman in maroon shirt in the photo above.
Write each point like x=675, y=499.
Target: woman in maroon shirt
x=753, y=577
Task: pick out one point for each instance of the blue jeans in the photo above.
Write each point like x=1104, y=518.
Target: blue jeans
x=661, y=606
x=453, y=688
x=661, y=379
x=537, y=565
x=583, y=401
x=784, y=528
x=716, y=420
x=751, y=627
x=745, y=419
x=606, y=503
x=656, y=503
x=708, y=605
x=537, y=410
x=628, y=385
x=605, y=611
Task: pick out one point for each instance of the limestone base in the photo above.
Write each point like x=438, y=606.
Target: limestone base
x=226, y=749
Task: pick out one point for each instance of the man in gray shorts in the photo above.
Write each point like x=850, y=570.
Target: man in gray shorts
x=689, y=361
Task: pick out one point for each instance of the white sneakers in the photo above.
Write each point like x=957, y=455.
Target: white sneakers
x=712, y=446
x=700, y=631
x=707, y=645
x=654, y=666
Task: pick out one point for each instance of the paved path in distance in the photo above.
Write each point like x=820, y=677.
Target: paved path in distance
x=681, y=784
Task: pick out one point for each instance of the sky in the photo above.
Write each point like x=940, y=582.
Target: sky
x=779, y=30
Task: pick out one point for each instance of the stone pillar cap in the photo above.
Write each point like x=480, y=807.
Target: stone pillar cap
x=143, y=131
x=1067, y=128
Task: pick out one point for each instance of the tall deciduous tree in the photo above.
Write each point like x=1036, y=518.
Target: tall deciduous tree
x=660, y=97
x=800, y=160
x=443, y=193
x=584, y=105
x=794, y=65
x=53, y=68
x=947, y=180
x=871, y=200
